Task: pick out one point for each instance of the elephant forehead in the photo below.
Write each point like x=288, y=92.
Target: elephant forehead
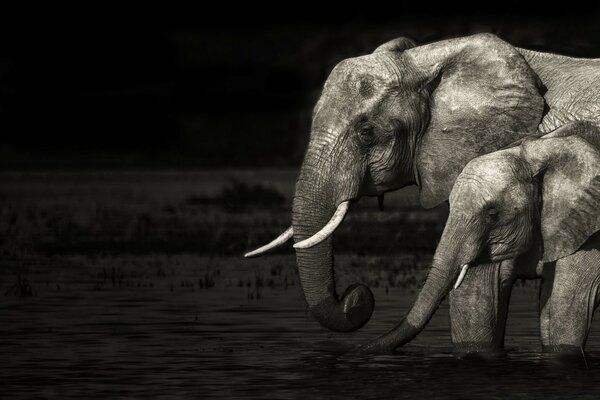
x=494, y=177
x=363, y=76
x=356, y=85
x=498, y=168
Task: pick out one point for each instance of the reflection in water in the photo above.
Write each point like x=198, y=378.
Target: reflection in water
x=158, y=336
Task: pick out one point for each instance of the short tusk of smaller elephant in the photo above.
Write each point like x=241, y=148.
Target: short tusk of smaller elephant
x=461, y=276
x=278, y=241
x=328, y=229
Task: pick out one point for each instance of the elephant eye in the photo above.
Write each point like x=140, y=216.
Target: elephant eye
x=493, y=214
x=366, y=133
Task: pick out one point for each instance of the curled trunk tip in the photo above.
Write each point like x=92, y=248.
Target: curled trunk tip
x=348, y=314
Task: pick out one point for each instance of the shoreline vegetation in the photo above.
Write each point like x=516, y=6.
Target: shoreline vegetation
x=206, y=212
x=106, y=221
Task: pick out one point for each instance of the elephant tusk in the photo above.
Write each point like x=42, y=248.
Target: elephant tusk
x=461, y=276
x=327, y=230
x=278, y=241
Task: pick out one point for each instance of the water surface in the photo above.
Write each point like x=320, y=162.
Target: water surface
x=119, y=285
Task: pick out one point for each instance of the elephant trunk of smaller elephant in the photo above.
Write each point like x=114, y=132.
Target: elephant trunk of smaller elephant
x=439, y=282
x=313, y=208
x=448, y=269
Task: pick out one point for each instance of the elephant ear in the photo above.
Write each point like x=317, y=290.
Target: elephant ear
x=397, y=45
x=569, y=171
x=482, y=95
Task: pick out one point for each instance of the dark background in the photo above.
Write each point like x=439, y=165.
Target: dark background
x=198, y=88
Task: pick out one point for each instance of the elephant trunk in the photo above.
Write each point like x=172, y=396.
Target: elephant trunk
x=438, y=284
x=454, y=251
x=315, y=201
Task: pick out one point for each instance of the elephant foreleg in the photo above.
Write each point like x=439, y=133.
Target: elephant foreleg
x=478, y=308
x=568, y=298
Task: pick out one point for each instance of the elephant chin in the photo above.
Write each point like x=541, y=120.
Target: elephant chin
x=351, y=313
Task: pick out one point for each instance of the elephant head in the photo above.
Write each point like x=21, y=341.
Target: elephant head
x=402, y=115
x=500, y=205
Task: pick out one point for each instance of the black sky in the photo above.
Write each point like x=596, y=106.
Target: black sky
x=196, y=89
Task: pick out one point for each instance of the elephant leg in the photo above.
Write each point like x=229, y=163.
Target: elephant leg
x=545, y=293
x=478, y=308
x=568, y=299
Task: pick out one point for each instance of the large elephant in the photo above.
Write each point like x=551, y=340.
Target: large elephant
x=407, y=115
x=536, y=205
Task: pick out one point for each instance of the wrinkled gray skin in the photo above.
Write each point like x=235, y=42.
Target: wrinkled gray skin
x=531, y=206
x=407, y=115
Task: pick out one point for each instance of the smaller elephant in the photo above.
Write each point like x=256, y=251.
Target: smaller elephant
x=536, y=203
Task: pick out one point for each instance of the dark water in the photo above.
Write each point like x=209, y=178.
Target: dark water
x=144, y=327
x=159, y=323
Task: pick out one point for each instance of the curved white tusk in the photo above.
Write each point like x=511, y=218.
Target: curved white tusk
x=461, y=276
x=327, y=230
x=281, y=239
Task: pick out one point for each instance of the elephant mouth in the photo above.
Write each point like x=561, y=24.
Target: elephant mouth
x=495, y=258
x=499, y=257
